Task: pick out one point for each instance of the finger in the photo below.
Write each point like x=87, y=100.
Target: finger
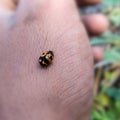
x=95, y=23
x=7, y=8
x=7, y=4
x=88, y=2
x=97, y=53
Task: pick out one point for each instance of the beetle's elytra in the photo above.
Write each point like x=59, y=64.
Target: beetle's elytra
x=46, y=58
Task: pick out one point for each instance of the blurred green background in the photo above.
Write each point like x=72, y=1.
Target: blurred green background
x=107, y=72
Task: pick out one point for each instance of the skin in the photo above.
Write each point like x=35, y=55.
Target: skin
x=97, y=53
x=62, y=91
x=8, y=4
x=8, y=9
x=100, y=23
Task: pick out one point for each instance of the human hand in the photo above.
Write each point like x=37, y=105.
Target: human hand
x=63, y=90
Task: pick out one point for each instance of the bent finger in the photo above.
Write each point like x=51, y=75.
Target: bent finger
x=95, y=23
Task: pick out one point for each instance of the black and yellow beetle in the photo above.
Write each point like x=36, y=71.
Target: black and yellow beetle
x=46, y=59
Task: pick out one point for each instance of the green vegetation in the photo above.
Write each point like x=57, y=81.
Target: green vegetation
x=107, y=82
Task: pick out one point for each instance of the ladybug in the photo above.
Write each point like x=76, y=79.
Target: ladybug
x=46, y=59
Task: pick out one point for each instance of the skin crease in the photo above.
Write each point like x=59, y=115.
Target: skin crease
x=62, y=91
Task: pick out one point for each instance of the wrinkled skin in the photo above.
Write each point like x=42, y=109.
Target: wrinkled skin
x=63, y=91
